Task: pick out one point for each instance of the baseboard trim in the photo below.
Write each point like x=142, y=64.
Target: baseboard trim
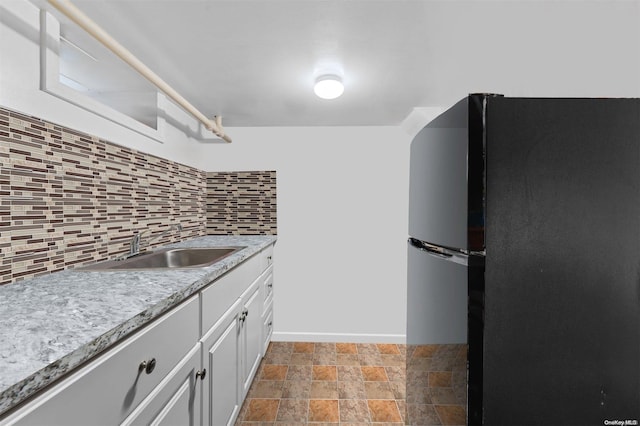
x=338, y=337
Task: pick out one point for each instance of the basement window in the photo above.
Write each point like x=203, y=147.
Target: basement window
x=78, y=69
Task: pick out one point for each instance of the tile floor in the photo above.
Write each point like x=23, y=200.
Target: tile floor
x=436, y=378
x=334, y=383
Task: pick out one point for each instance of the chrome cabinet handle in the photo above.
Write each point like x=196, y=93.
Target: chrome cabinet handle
x=201, y=374
x=147, y=366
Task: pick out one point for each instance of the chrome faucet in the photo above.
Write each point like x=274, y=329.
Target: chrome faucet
x=134, y=245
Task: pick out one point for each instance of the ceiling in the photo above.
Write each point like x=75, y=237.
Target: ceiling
x=254, y=62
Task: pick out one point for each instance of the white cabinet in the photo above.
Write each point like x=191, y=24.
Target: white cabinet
x=267, y=310
x=193, y=365
x=268, y=287
x=250, y=335
x=233, y=340
x=220, y=356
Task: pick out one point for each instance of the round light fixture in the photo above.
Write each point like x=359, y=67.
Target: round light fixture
x=328, y=87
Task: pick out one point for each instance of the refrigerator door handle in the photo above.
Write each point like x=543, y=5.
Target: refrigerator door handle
x=434, y=250
x=440, y=252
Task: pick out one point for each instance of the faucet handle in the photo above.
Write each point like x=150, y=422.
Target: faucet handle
x=134, y=245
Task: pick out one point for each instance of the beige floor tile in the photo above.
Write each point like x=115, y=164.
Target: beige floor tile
x=325, y=348
x=396, y=374
x=422, y=414
x=300, y=389
x=266, y=389
x=351, y=390
x=281, y=358
x=324, y=390
x=356, y=384
x=370, y=359
x=399, y=389
x=393, y=360
x=354, y=410
x=349, y=373
x=293, y=410
x=301, y=359
x=378, y=390
x=367, y=348
x=347, y=359
x=283, y=347
x=299, y=372
x=324, y=358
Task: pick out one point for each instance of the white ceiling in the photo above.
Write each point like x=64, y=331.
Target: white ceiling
x=254, y=62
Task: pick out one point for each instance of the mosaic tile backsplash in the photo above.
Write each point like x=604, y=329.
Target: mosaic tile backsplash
x=241, y=203
x=68, y=198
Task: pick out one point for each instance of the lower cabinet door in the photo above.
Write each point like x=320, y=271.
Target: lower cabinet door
x=176, y=400
x=251, y=346
x=220, y=356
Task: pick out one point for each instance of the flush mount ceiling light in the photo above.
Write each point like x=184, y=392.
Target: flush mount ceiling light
x=328, y=87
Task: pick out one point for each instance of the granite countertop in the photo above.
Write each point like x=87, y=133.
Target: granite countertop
x=49, y=325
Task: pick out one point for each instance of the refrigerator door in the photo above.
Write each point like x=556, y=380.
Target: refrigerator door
x=436, y=297
x=438, y=180
x=436, y=334
x=562, y=278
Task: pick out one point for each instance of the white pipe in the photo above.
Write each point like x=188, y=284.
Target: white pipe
x=77, y=16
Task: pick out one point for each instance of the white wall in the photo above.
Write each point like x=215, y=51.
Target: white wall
x=532, y=48
x=342, y=227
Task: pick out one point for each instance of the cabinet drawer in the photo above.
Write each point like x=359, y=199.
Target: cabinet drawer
x=107, y=389
x=176, y=401
x=224, y=291
x=268, y=286
x=266, y=258
x=267, y=327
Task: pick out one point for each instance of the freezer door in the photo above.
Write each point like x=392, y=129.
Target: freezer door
x=438, y=180
x=436, y=298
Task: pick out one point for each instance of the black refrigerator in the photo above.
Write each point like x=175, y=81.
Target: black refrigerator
x=524, y=251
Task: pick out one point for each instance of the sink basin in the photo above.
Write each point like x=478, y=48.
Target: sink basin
x=167, y=259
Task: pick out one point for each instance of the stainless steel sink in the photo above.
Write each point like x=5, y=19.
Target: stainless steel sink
x=167, y=259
